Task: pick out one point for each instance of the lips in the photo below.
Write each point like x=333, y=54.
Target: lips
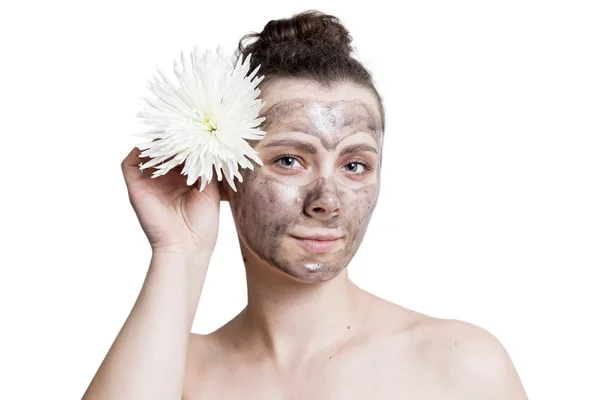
x=317, y=245
x=318, y=236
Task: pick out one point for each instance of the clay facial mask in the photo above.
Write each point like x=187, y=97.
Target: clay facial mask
x=321, y=172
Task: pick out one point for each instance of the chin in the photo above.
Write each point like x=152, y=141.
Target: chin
x=309, y=271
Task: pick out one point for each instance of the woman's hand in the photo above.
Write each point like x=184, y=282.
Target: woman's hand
x=174, y=216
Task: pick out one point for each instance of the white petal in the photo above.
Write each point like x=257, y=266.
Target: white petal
x=210, y=86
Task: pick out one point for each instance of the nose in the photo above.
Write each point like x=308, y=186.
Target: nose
x=323, y=202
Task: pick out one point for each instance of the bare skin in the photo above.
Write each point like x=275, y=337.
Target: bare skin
x=309, y=332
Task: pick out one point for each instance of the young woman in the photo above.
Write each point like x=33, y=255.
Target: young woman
x=308, y=332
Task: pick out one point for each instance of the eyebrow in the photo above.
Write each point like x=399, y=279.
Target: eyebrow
x=357, y=147
x=305, y=146
x=311, y=149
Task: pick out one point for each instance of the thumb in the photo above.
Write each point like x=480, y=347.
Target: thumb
x=211, y=189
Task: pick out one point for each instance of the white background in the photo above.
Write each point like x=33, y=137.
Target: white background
x=489, y=206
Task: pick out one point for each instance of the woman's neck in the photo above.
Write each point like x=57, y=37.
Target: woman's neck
x=294, y=321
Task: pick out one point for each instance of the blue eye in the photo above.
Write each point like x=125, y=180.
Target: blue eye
x=290, y=161
x=357, y=165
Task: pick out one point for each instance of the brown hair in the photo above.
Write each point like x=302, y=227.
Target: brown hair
x=309, y=45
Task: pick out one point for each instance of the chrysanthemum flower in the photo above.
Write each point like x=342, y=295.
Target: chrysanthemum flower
x=203, y=122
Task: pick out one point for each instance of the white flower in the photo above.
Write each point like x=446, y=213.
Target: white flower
x=205, y=121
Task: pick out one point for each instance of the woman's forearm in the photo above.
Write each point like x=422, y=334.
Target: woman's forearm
x=147, y=359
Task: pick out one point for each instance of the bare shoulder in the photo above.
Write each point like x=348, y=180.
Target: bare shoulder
x=470, y=360
x=200, y=355
x=474, y=362
x=197, y=347
x=202, y=348
x=209, y=353
x=203, y=356
x=474, y=359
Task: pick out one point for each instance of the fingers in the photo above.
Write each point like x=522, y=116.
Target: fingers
x=131, y=165
x=132, y=173
x=132, y=159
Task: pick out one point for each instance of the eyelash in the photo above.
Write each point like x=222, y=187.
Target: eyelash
x=367, y=166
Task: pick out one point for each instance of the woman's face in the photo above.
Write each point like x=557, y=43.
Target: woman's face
x=321, y=176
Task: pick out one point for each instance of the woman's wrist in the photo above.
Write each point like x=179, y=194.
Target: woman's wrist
x=182, y=271
x=189, y=257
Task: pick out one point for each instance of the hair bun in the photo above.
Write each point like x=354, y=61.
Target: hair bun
x=310, y=46
x=311, y=27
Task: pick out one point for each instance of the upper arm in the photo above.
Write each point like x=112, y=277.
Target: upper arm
x=478, y=364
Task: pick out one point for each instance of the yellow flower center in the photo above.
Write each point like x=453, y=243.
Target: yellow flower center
x=207, y=122
x=210, y=124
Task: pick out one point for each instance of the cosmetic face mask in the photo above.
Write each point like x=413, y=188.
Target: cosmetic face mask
x=273, y=204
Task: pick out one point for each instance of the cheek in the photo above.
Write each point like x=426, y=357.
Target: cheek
x=362, y=207
x=265, y=208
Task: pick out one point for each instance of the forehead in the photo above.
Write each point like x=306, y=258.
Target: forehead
x=298, y=104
